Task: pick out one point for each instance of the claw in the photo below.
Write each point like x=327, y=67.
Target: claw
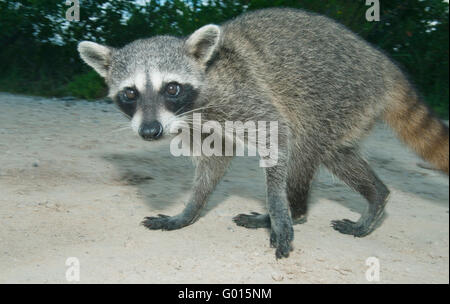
x=253, y=220
x=162, y=222
x=346, y=226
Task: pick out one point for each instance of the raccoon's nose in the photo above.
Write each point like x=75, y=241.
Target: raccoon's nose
x=151, y=131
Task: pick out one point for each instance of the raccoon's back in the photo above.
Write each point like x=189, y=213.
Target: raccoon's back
x=311, y=58
x=294, y=38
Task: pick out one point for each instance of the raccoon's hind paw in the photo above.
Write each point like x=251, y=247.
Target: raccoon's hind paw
x=256, y=220
x=253, y=220
x=302, y=219
x=162, y=222
x=349, y=227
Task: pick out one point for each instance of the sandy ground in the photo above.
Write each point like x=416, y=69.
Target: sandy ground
x=74, y=183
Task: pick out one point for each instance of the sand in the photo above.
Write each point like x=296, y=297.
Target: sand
x=76, y=182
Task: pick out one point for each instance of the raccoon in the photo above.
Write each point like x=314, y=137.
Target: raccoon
x=324, y=85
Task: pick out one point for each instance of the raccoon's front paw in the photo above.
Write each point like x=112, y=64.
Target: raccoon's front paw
x=163, y=222
x=282, y=241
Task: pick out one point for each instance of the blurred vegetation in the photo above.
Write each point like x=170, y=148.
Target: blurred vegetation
x=38, y=46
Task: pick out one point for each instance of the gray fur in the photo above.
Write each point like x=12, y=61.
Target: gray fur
x=322, y=83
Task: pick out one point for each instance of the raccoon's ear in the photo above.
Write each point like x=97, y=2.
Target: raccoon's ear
x=96, y=55
x=203, y=43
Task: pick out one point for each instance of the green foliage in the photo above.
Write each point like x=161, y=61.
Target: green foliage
x=87, y=86
x=38, y=46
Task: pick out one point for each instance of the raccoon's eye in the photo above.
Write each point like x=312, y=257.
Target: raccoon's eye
x=129, y=95
x=173, y=89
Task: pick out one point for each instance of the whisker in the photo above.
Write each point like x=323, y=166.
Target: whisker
x=121, y=129
x=197, y=109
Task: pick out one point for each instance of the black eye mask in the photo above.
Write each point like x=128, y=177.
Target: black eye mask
x=126, y=106
x=183, y=102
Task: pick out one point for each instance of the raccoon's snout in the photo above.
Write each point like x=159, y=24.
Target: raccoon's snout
x=151, y=131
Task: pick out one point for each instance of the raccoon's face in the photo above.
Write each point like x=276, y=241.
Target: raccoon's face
x=155, y=82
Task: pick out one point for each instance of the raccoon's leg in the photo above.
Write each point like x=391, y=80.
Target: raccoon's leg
x=300, y=174
x=282, y=233
x=347, y=165
x=208, y=173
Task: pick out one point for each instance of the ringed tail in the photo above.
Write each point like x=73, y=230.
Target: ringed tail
x=418, y=127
